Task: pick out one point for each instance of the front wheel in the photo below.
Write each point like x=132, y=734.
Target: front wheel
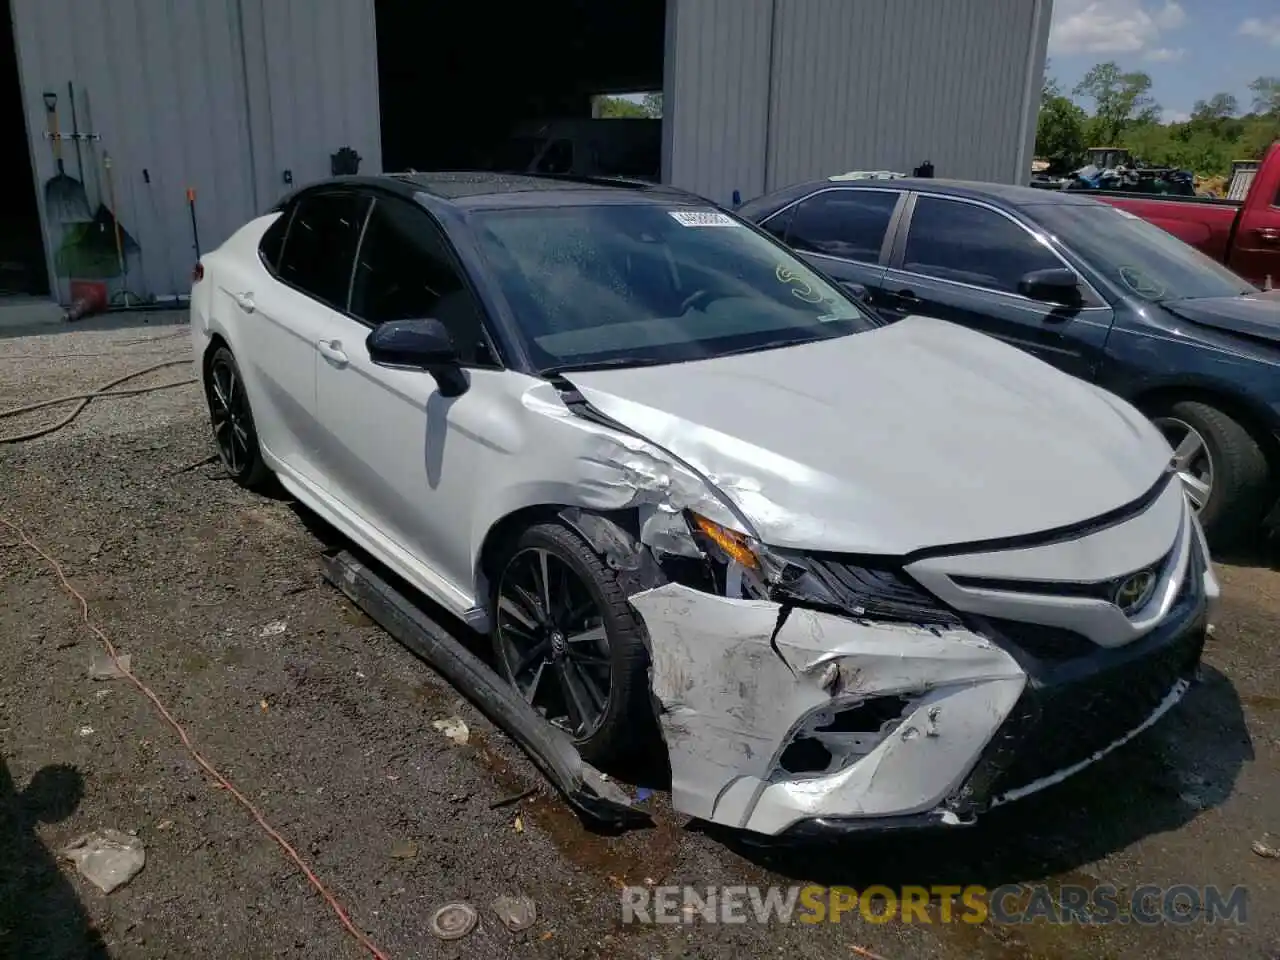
x=1222, y=467
x=565, y=637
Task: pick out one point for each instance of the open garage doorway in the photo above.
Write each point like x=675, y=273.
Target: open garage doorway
x=23, y=269
x=514, y=87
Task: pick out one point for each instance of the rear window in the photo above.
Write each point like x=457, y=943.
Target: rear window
x=649, y=283
x=849, y=224
x=320, y=246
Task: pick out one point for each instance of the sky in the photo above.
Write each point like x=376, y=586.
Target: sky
x=1191, y=49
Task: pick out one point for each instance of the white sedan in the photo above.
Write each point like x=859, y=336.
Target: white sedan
x=860, y=574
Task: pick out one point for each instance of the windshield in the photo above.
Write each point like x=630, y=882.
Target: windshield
x=630, y=284
x=1139, y=257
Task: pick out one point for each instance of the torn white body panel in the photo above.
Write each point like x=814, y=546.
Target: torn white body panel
x=732, y=703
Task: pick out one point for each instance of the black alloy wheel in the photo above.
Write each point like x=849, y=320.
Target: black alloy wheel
x=551, y=637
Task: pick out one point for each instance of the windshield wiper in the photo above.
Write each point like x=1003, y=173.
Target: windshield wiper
x=772, y=345
x=606, y=364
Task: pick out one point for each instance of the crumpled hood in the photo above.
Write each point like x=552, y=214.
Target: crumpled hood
x=919, y=434
x=1256, y=316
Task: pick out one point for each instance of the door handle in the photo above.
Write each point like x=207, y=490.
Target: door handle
x=331, y=350
x=1268, y=234
x=906, y=296
x=245, y=300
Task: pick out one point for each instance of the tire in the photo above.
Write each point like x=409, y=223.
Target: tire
x=243, y=458
x=627, y=723
x=1241, y=474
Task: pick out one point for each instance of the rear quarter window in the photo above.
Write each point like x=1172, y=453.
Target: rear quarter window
x=850, y=224
x=273, y=240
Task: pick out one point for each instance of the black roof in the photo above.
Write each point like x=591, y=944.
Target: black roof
x=480, y=188
x=460, y=185
x=968, y=189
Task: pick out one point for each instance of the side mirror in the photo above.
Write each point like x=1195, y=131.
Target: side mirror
x=420, y=345
x=1055, y=285
x=855, y=290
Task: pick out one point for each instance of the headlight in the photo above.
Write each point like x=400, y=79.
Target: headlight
x=873, y=593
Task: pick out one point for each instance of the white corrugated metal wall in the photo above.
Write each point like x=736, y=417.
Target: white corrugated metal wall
x=184, y=90
x=765, y=93
x=715, y=99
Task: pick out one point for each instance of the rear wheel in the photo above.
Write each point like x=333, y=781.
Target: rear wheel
x=1222, y=467
x=232, y=420
x=565, y=637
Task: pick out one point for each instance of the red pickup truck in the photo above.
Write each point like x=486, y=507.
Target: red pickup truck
x=1244, y=235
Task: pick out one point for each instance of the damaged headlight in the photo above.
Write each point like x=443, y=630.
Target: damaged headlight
x=749, y=569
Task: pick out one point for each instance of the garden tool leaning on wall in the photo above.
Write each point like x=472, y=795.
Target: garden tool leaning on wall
x=64, y=198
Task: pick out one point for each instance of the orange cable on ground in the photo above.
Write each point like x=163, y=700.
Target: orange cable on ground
x=208, y=767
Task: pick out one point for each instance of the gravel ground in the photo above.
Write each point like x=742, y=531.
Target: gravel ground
x=326, y=724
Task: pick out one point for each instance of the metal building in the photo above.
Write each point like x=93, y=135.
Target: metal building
x=766, y=93
x=183, y=95
x=237, y=99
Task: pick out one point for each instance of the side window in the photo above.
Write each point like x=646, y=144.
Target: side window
x=958, y=241
x=779, y=223
x=404, y=272
x=558, y=158
x=320, y=246
x=273, y=239
x=844, y=223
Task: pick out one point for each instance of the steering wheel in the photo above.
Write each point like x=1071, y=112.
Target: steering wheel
x=698, y=296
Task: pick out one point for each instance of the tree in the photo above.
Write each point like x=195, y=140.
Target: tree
x=1060, y=133
x=1221, y=106
x=614, y=107
x=1120, y=101
x=653, y=104
x=1050, y=88
x=1266, y=95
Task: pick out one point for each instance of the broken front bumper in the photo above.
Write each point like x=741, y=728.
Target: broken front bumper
x=829, y=723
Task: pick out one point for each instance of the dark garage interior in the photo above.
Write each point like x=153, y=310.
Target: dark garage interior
x=22, y=260
x=455, y=79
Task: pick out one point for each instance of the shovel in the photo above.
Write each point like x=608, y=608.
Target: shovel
x=64, y=198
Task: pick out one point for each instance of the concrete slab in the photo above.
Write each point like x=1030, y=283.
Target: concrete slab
x=29, y=312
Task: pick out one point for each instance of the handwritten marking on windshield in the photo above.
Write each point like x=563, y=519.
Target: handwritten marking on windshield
x=800, y=287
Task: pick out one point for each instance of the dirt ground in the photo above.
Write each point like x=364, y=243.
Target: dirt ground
x=326, y=724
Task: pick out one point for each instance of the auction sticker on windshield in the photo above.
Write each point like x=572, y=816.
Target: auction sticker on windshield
x=702, y=218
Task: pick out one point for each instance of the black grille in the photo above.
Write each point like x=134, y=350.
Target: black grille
x=877, y=594
x=1058, y=724
x=1051, y=644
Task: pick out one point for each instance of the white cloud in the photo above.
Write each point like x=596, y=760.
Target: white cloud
x=1174, y=116
x=1112, y=26
x=1265, y=30
x=1164, y=55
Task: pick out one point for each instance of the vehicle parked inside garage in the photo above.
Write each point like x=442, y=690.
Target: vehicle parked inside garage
x=1087, y=287
x=584, y=148
x=660, y=461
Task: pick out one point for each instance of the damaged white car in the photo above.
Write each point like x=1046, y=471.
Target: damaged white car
x=864, y=575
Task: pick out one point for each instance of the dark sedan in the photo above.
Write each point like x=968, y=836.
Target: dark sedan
x=1091, y=289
